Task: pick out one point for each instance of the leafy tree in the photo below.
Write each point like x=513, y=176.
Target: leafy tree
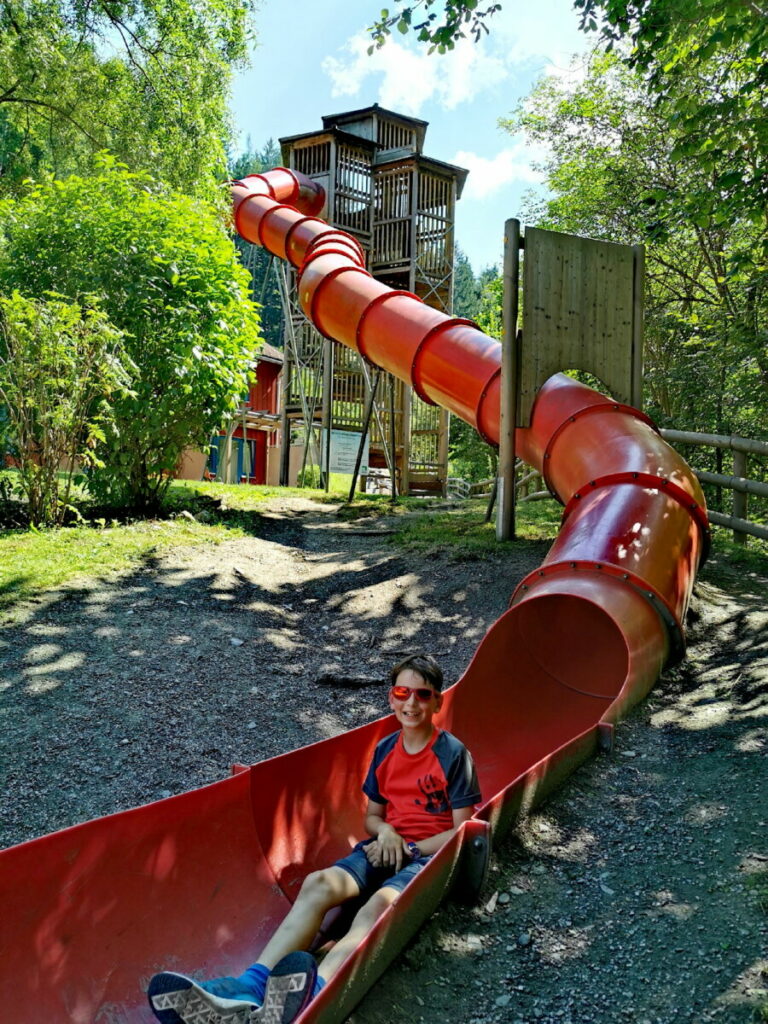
x=705, y=63
x=167, y=276
x=466, y=287
x=459, y=17
x=148, y=80
x=60, y=366
x=251, y=160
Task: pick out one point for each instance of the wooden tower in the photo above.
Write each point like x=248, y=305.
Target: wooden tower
x=399, y=204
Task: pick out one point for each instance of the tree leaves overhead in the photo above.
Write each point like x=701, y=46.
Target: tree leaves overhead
x=706, y=63
x=460, y=18
x=147, y=80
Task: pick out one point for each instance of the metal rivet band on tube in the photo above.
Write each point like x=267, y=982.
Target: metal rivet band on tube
x=588, y=410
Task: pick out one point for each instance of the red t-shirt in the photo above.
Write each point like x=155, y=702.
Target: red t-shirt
x=421, y=790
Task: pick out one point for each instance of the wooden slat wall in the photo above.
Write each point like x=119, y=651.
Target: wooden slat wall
x=432, y=224
x=314, y=158
x=354, y=196
x=579, y=311
x=391, y=135
x=392, y=218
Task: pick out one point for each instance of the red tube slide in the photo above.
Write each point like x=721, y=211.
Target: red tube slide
x=196, y=882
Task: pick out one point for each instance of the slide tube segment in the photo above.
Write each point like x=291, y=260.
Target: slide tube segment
x=634, y=511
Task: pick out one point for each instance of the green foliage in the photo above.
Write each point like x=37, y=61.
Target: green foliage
x=464, y=534
x=60, y=366
x=166, y=276
x=251, y=160
x=148, y=80
x=459, y=17
x=477, y=299
x=704, y=61
x=613, y=174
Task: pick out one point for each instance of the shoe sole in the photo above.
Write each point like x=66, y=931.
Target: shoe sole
x=175, y=999
x=289, y=989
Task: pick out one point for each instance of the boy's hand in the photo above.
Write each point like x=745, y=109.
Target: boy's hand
x=390, y=845
x=373, y=853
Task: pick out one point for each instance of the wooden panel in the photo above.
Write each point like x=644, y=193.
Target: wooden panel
x=580, y=311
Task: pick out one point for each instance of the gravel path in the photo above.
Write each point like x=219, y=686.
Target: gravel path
x=639, y=893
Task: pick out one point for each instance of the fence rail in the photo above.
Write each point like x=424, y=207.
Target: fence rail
x=737, y=482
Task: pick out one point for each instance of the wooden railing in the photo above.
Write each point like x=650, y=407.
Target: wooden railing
x=737, y=481
x=524, y=484
x=742, y=448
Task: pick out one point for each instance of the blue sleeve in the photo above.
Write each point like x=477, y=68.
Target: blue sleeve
x=460, y=773
x=371, y=784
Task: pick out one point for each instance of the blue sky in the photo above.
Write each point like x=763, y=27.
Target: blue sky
x=311, y=60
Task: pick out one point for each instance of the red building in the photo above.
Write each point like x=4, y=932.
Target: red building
x=241, y=453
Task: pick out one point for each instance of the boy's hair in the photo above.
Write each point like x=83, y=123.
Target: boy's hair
x=425, y=665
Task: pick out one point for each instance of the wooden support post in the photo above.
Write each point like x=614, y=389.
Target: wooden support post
x=739, y=497
x=405, y=431
x=442, y=450
x=505, y=491
x=325, y=458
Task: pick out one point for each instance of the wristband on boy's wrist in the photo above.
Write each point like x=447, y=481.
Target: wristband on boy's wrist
x=414, y=850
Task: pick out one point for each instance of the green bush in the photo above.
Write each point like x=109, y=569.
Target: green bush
x=166, y=275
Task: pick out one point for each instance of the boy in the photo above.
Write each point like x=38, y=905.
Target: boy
x=421, y=785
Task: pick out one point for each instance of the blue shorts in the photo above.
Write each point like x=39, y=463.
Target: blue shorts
x=371, y=879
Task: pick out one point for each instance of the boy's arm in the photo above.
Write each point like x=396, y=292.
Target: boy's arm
x=389, y=848
x=431, y=845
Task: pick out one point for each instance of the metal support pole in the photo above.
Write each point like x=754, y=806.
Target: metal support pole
x=285, y=423
x=325, y=462
x=505, y=503
x=392, y=437
x=366, y=427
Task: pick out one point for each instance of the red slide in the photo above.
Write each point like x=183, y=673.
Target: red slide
x=198, y=881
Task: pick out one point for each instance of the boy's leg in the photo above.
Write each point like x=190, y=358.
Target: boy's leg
x=363, y=922
x=320, y=892
x=177, y=999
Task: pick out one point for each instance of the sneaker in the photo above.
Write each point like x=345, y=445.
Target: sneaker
x=176, y=999
x=289, y=989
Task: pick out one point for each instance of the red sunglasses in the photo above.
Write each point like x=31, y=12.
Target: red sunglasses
x=404, y=692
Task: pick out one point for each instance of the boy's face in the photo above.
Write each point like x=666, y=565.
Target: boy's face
x=413, y=712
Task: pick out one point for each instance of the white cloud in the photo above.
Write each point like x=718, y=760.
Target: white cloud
x=488, y=176
x=410, y=78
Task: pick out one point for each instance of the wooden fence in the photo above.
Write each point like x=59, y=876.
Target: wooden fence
x=738, y=482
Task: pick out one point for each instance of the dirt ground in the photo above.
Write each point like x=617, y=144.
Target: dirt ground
x=637, y=895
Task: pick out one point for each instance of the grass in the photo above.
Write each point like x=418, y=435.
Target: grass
x=753, y=555
x=462, y=532
x=32, y=562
